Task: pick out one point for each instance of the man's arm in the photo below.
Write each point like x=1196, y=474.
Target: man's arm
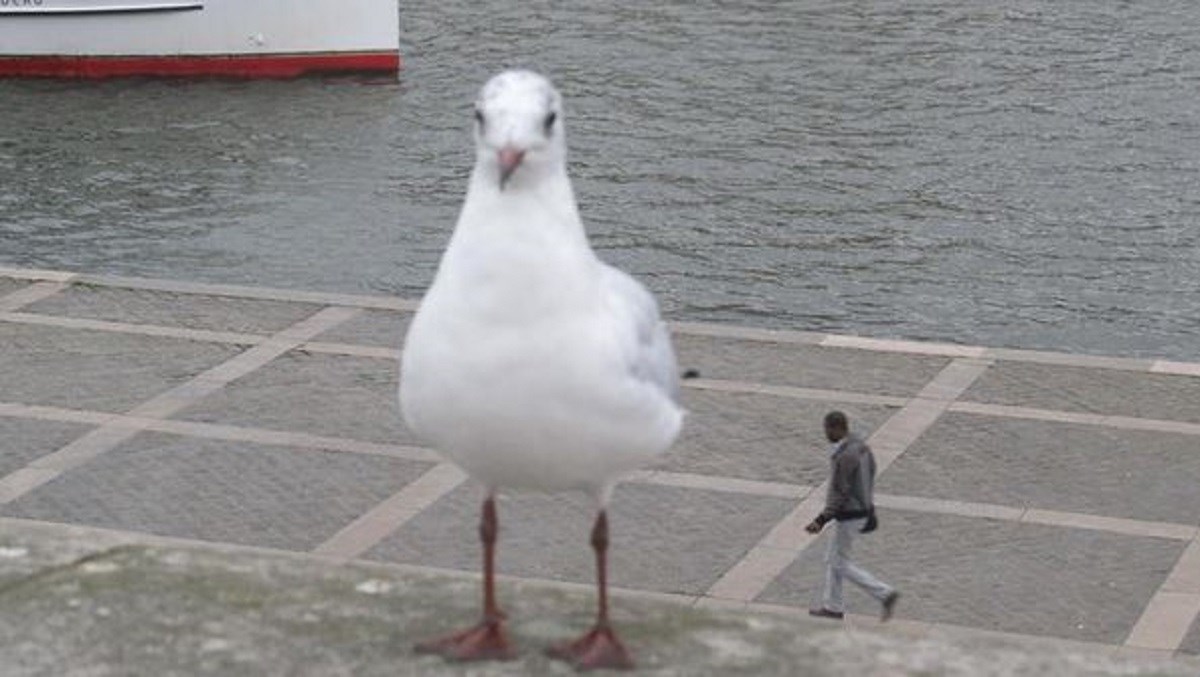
x=839, y=493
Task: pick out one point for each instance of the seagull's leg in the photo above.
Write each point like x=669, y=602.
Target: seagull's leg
x=488, y=639
x=599, y=647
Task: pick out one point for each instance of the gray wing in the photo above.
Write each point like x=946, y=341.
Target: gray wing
x=647, y=350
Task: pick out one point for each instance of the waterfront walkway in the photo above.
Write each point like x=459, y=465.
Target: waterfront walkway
x=1022, y=493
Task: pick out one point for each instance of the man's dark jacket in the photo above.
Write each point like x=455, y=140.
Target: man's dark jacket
x=851, y=482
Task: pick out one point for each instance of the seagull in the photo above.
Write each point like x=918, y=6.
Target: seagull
x=530, y=363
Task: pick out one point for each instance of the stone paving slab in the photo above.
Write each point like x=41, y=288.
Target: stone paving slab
x=232, y=492
x=1101, y=391
x=330, y=395
x=1055, y=466
x=9, y=285
x=760, y=437
x=108, y=607
x=1051, y=581
x=666, y=539
x=96, y=370
x=806, y=366
x=173, y=309
x=1191, y=643
x=23, y=441
x=372, y=328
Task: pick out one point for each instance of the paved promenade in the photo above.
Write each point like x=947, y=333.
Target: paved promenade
x=1026, y=493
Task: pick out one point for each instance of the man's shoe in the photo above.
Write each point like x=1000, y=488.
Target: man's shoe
x=889, y=605
x=826, y=613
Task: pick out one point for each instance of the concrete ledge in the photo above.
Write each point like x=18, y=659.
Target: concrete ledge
x=35, y=275
x=105, y=604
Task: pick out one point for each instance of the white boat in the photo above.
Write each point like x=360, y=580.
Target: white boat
x=240, y=38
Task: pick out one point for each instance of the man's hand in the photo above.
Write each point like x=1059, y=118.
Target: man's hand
x=814, y=527
x=871, y=524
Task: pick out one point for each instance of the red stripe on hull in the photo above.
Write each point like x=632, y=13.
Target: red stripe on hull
x=235, y=66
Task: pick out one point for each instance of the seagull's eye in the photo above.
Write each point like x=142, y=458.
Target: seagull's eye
x=479, y=117
x=548, y=123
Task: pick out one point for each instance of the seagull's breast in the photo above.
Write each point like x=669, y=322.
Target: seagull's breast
x=539, y=396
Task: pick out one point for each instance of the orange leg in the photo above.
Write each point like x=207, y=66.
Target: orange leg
x=599, y=647
x=487, y=640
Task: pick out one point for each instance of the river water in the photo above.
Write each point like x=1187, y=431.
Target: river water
x=1021, y=174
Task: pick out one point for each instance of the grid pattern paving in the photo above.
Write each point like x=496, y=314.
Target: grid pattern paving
x=1191, y=644
x=1000, y=575
x=1021, y=491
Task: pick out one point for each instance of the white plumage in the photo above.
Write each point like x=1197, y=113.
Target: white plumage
x=530, y=363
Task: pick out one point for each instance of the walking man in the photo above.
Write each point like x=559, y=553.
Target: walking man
x=850, y=504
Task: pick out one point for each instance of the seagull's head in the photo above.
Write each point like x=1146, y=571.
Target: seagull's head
x=518, y=127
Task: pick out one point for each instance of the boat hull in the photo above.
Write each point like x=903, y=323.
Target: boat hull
x=234, y=66
x=233, y=38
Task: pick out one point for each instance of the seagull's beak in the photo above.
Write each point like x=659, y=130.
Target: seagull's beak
x=509, y=159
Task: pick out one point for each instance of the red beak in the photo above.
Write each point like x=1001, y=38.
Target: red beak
x=509, y=158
